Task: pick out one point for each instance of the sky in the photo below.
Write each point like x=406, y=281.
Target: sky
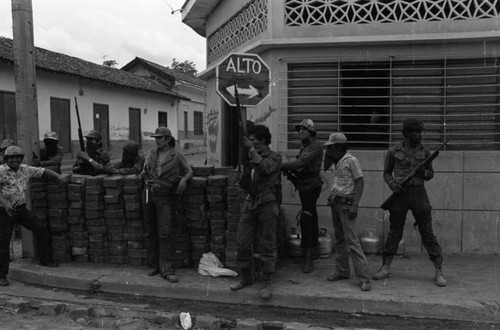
x=120, y=30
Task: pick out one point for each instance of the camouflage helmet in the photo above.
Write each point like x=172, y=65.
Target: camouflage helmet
x=7, y=143
x=14, y=151
x=93, y=134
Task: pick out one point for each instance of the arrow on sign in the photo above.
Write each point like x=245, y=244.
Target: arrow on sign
x=250, y=91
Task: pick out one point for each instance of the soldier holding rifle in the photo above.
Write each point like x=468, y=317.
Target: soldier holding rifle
x=407, y=166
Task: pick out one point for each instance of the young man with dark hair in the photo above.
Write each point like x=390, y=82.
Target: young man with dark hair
x=260, y=211
x=345, y=194
x=399, y=162
x=304, y=174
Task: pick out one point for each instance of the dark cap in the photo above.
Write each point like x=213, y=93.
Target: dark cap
x=413, y=125
x=162, y=131
x=93, y=134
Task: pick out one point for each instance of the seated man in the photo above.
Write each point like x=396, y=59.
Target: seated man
x=94, y=159
x=132, y=161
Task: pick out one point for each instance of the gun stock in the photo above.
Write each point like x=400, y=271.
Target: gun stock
x=80, y=134
x=387, y=204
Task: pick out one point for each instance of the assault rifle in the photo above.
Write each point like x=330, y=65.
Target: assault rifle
x=243, y=159
x=387, y=204
x=80, y=134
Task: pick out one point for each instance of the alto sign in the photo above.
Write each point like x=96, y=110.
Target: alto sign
x=246, y=74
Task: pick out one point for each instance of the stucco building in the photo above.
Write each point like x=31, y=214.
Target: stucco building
x=362, y=67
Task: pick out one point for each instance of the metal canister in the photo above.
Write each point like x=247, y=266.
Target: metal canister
x=370, y=243
x=294, y=242
x=324, y=244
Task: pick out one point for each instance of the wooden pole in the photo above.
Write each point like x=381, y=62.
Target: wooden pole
x=26, y=93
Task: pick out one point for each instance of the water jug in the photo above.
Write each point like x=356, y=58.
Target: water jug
x=324, y=244
x=294, y=242
x=370, y=243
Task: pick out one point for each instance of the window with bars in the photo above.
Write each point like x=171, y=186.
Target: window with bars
x=369, y=101
x=198, y=122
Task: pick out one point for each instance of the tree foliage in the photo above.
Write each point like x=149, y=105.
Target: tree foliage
x=187, y=67
x=110, y=63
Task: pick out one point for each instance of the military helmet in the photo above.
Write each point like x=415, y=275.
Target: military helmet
x=93, y=134
x=6, y=143
x=14, y=151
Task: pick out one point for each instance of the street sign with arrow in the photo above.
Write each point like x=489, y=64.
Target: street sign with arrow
x=246, y=75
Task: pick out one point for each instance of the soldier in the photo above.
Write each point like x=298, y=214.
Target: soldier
x=132, y=161
x=304, y=174
x=259, y=210
x=14, y=178
x=94, y=159
x=51, y=154
x=400, y=161
x=3, y=146
x=346, y=191
x=166, y=173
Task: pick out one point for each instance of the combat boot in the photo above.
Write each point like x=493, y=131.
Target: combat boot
x=267, y=290
x=245, y=280
x=385, y=270
x=439, y=278
x=308, y=261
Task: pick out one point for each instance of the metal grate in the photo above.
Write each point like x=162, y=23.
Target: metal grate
x=368, y=101
x=339, y=12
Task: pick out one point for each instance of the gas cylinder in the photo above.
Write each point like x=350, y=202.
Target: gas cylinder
x=370, y=243
x=294, y=242
x=324, y=244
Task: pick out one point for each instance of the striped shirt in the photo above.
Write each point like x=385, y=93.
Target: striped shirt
x=345, y=172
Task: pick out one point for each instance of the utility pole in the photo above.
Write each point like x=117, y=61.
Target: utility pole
x=26, y=96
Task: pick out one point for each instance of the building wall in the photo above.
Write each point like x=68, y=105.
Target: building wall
x=118, y=99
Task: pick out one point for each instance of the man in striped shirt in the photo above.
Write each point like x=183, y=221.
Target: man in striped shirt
x=346, y=191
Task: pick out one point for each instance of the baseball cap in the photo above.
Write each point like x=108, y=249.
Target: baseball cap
x=336, y=138
x=50, y=136
x=93, y=134
x=162, y=131
x=306, y=123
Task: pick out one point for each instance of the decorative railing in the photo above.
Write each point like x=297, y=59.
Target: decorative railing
x=248, y=23
x=339, y=12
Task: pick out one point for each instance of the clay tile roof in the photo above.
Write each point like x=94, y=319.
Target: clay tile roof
x=58, y=63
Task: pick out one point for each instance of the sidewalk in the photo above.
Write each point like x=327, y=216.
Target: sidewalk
x=472, y=294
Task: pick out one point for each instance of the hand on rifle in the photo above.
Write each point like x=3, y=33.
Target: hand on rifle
x=83, y=155
x=420, y=170
x=247, y=143
x=396, y=187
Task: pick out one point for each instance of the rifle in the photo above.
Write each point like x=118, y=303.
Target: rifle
x=246, y=177
x=80, y=134
x=387, y=204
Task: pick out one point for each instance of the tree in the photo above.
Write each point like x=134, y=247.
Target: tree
x=110, y=63
x=187, y=67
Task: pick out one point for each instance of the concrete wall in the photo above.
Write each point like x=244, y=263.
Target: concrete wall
x=464, y=195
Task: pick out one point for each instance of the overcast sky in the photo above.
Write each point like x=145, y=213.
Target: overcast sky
x=120, y=30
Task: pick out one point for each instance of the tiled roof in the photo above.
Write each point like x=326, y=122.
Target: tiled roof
x=47, y=60
x=168, y=72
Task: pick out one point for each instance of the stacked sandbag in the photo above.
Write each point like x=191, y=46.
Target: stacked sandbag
x=79, y=236
x=114, y=216
x=58, y=220
x=195, y=212
x=217, y=206
x=94, y=215
x=134, y=229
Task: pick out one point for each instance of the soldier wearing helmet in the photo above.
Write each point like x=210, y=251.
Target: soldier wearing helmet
x=304, y=174
x=94, y=159
x=51, y=154
x=14, y=178
x=166, y=173
x=4, y=145
x=402, y=159
x=132, y=161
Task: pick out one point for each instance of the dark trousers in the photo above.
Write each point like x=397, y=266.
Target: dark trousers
x=309, y=225
x=30, y=221
x=158, y=218
x=261, y=221
x=415, y=199
x=347, y=243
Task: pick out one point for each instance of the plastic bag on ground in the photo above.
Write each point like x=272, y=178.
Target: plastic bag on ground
x=210, y=265
x=185, y=319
